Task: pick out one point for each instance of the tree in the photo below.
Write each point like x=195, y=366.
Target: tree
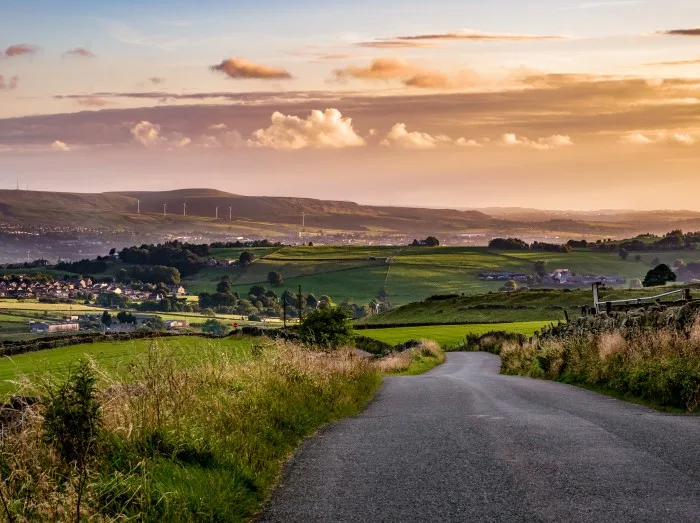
x=431, y=241
x=257, y=291
x=311, y=301
x=246, y=258
x=541, y=268
x=275, y=278
x=214, y=327
x=224, y=286
x=659, y=275
x=623, y=254
x=125, y=317
x=327, y=328
x=73, y=423
x=106, y=319
x=155, y=323
x=637, y=257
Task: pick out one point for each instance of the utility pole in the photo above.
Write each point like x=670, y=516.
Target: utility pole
x=303, y=220
x=217, y=213
x=138, y=206
x=165, y=209
x=299, y=299
x=184, y=209
x=230, y=214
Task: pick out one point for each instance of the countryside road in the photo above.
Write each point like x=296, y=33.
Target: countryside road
x=463, y=443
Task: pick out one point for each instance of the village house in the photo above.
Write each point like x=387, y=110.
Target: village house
x=46, y=328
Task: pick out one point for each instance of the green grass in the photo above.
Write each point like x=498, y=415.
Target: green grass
x=114, y=355
x=448, y=335
x=414, y=273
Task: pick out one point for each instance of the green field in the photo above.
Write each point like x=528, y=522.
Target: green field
x=497, y=307
x=114, y=355
x=410, y=274
x=448, y=335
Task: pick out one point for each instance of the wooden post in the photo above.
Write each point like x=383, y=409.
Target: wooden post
x=608, y=307
x=686, y=295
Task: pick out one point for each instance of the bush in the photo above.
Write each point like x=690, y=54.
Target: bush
x=327, y=328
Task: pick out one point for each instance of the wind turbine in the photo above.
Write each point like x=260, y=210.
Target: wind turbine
x=138, y=206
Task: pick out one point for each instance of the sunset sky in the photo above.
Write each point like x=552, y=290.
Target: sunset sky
x=557, y=104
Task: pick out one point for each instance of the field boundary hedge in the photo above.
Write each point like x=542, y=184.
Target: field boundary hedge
x=371, y=326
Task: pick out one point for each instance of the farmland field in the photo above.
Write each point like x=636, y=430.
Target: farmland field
x=112, y=356
x=448, y=335
x=408, y=274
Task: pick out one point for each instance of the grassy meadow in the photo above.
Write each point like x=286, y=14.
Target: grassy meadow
x=409, y=274
x=196, y=430
x=448, y=335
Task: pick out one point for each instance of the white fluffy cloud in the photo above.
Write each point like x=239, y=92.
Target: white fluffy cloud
x=658, y=137
x=555, y=141
x=401, y=138
x=60, y=146
x=149, y=135
x=327, y=129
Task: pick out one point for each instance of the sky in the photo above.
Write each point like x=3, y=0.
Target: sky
x=555, y=104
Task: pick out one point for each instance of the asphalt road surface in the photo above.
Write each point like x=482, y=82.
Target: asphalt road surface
x=463, y=443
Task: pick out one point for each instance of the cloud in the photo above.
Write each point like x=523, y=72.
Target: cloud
x=218, y=127
x=394, y=44
x=550, y=142
x=92, y=101
x=676, y=62
x=658, y=137
x=478, y=36
x=239, y=68
x=681, y=32
x=379, y=69
x=59, y=146
x=400, y=138
x=9, y=83
x=149, y=135
x=327, y=129
x=79, y=52
x=410, y=75
x=156, y=80
x=19, y=50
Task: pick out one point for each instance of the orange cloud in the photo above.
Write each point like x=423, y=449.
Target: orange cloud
x=393, y=44
x=676, y=62
x=239, y=68
x=80, y=52
x=659, y=137
x=423, y=40
x=8, y=84
x=60, y=146
x=19, y=50
x=411, y=75
x=327, y=129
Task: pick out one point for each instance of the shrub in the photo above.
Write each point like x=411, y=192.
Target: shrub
x=327, y=328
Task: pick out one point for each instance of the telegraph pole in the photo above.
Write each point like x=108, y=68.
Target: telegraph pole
x=165, y=209
x=138, y=206
x=217, y=213
x=230, y=214
x=299, y=298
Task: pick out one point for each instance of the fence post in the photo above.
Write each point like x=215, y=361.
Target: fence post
x=608, y=307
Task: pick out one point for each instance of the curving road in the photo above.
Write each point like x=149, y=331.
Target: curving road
x=463, y=443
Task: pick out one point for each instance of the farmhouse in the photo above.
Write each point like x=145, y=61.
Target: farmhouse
x=176, y=324
x=44, y=328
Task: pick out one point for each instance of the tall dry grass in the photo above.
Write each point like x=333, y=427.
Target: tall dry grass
x=414, y=360
x=658, y=365
x=189, y=439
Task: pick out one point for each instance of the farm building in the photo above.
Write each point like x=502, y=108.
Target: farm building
x=176, y=324
x=42, y=327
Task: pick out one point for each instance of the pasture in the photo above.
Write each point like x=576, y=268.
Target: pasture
x=448, y=335
x=409, y=274
x=17, y=373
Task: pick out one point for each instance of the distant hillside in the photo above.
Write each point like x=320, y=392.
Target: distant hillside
x=119, y=211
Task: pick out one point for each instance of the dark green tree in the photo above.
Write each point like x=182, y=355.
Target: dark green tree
x=275, y=278
x=246, y=258
x=541, y=268
x=215, y=327
x=106, y=319
x=224, y=286
x=659, y=275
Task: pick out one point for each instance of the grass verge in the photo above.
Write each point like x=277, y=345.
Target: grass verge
x=411, y=362
x=186, y=437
